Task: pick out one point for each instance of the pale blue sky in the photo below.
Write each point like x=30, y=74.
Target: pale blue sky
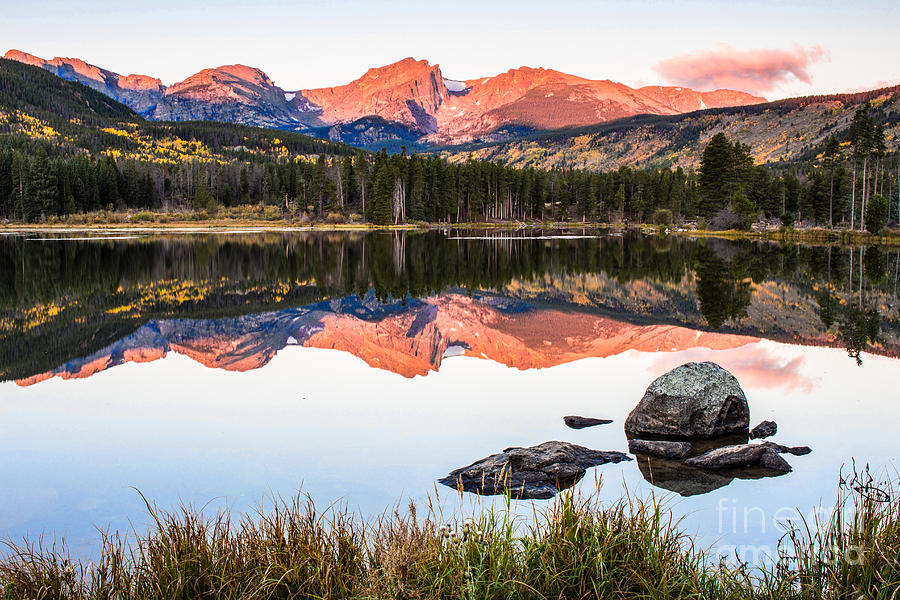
x=310, y=44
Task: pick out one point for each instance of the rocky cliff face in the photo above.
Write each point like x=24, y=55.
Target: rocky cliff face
x=237, y=94
x=409, y=92
x=407, y=101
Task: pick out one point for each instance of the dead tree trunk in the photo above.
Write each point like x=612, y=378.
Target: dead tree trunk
x=398, y=201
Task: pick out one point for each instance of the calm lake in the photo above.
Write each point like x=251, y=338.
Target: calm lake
x=224, y=369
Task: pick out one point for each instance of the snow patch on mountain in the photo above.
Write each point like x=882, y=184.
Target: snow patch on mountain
x=455, y=86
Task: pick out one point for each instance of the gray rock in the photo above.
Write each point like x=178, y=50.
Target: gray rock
x=764, y=430
x=538, y=472
x=576, y=422
x=695, y=400
x=795, y=450
x=773, y=461
x=740, y=456
x=664, y=449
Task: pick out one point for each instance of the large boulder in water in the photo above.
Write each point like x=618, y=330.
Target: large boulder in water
x=695, y=400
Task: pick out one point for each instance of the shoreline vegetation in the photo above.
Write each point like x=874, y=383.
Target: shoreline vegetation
x=573, y=548
x=255, y=218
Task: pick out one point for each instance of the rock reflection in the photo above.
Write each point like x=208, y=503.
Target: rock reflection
x=686, y=480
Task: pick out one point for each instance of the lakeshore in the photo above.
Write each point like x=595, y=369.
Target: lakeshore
x=573, y=548
x=180, y=224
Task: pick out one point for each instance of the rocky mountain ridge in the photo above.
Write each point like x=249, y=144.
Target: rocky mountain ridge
x=139, y=92
x=412, y=100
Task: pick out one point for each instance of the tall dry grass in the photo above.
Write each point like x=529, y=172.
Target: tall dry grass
x=573, y=548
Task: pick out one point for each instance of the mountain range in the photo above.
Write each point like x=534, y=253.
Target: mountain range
x=410, y=100
x=784, y=131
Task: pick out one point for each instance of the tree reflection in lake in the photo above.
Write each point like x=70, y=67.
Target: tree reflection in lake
x=64, y=299
x=723, y=292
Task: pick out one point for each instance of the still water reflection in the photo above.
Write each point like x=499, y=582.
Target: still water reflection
x=204, y=367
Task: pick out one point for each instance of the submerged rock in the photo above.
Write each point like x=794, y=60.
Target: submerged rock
x=739, y=456
x=764, y=430
x=576, y=422
x=537, y=472
x=695, y=400
x=664, y=449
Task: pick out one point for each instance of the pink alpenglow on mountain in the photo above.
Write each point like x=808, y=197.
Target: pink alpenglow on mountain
x=418, y=95
x=408, y=92
x=140, y=92
x=412, y=93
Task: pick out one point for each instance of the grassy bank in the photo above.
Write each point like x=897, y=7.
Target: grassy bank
x=803, y=236
x=573, y=549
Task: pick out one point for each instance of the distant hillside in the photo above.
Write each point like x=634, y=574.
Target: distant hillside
x=39, y=106
x=67, y=149
x=42, y=94
x=782, y=131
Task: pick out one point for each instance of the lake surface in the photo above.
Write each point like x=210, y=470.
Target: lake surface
x=224, y=369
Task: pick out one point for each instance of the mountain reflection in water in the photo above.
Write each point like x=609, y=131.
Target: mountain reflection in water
x=409, y=338
x=403, y=301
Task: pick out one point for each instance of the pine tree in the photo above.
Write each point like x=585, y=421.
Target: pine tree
x=876, y=214
x=6, y=184
x=19, y=175
x=715, y=174
x=416, y=187
x=42, y=197
x=619, y=201
x=744, y=209
x=831, y=155
x=349, y=182
x=245, y=187
x=449, y=193
x=203, y=199
x=108, y=176
x=861, y=139
x=380, y=208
